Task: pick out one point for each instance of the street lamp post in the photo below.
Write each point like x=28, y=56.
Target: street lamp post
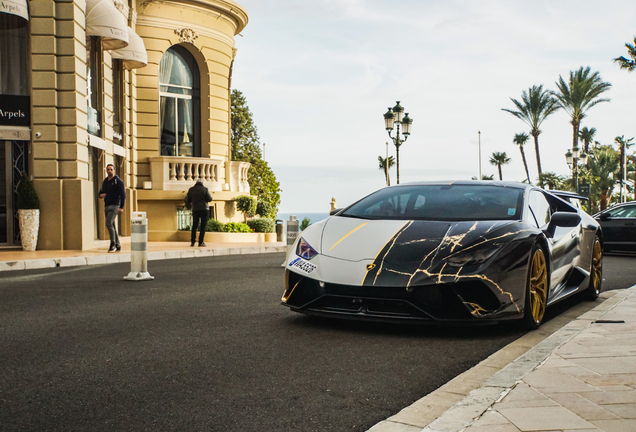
x=395, y=117
x=573, y=157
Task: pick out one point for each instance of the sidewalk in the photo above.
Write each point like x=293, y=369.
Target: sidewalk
x=580, y=378
x=17, y=259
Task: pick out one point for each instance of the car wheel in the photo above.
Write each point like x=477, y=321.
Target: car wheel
x=536, y=289
x=596, y=272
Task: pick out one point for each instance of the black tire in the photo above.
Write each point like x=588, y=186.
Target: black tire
x=592, y=292
x=537, y=285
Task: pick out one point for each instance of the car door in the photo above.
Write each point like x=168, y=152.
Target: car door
x=619, y=228
x=563, y=244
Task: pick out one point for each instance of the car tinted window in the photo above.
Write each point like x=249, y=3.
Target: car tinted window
x=623, y=212
x=440, y=202
x=540, y=208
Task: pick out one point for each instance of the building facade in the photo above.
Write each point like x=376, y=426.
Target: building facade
x=144, y=85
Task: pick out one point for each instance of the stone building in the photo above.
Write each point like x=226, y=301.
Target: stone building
x=144, y=85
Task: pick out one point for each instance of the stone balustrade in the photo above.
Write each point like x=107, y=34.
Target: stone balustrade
x=179, y=173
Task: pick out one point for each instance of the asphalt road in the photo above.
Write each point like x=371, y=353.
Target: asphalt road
x=206, y=346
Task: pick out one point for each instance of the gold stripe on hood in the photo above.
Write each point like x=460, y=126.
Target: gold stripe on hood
x=348, y=234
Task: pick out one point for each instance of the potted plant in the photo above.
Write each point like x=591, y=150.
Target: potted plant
x=28, y=213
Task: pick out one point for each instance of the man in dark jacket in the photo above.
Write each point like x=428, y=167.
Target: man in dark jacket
x=114, y=195
x=198, y=197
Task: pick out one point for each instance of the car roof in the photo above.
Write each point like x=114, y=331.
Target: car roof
x=511, y=184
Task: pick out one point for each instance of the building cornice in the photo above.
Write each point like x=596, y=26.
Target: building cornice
x=176, y=26
x=225, y=9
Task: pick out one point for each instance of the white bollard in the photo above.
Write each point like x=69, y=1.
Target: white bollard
x=293, y=227
x=139, y=248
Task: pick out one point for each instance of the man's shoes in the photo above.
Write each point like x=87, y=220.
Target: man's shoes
x=118, y=248
x=201, y=244
x=112, y=248
x=191, y=244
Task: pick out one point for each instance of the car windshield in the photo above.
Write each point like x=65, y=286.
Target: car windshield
x=440, y=202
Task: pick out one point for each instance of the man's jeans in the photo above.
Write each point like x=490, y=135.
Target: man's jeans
x=111, y=212
x=199, y=217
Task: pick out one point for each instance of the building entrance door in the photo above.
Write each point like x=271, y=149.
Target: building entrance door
x=13, y=162
x=5, y=192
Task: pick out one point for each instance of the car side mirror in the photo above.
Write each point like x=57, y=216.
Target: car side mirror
x=335, y=211
x=562, y=219
x=603, y=216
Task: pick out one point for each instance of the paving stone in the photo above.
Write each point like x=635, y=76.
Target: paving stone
x=602, y=398
x=493, y=428
x=491, y=417
x=554, y=381
x=582, y=407
x=603, y=366
x=626, y=411
x=616, y=425
x=545, y=418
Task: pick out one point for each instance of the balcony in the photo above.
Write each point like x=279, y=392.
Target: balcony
x=178, y=173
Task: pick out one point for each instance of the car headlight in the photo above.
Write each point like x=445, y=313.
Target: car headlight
x=304, y=250
x=473, y=257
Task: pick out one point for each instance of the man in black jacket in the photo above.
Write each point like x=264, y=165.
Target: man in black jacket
x=198, y=197
x=114, y=195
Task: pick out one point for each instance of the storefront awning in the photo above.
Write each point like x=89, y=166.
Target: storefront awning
x=15, y=7
x=134, y=55
x=104, y=20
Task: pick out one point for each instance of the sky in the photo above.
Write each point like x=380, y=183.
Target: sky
x=319, y=75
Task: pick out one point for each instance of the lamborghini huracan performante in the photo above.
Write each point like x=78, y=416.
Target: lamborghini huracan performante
x=446, y=252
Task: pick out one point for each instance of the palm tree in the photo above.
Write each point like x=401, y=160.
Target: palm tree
x=485, y=177
x=499, y=159
x=603, y=170
x=579, y=94
x=587, y=135
x=554, y=182
x=535, y=106
x=625, y=63
x=521, y=139
x=623, y=144
x=385, y=165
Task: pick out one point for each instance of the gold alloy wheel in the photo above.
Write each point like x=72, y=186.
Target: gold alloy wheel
x=597, y=267
x=538, y=287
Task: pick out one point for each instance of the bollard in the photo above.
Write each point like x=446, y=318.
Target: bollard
x=139, y=248
x=280, y=230
x=292, y=232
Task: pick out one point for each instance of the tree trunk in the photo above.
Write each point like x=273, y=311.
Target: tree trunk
x=603, y=200
x=500, y=176
x=536, y=149
x=525, y=164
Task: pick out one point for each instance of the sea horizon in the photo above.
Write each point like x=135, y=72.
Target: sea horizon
x=312, y=216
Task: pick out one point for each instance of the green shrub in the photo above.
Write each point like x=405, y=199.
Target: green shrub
x=264, y=209
x=27, y=196
x=246, y=204
x=214, y=226
x=304, y=224
x=262, y=225
x=237, y=227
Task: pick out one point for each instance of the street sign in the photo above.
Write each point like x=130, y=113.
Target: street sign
x=584, y=189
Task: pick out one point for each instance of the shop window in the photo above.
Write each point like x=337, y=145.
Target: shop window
x=118, y=102
x=179, y=90
x=94, y=85
x=14, y=74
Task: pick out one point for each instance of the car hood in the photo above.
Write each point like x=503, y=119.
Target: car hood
x=401, y=241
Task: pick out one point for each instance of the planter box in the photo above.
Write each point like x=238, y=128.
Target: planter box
x=214, y=237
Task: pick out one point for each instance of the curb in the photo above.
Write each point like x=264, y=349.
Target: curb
x=125, y=257
x=460, y=402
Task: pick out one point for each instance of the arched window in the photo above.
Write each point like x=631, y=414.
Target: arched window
x=180, y=103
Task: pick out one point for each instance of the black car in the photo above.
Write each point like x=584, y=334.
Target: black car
x=619, y=227
x=471, y=251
